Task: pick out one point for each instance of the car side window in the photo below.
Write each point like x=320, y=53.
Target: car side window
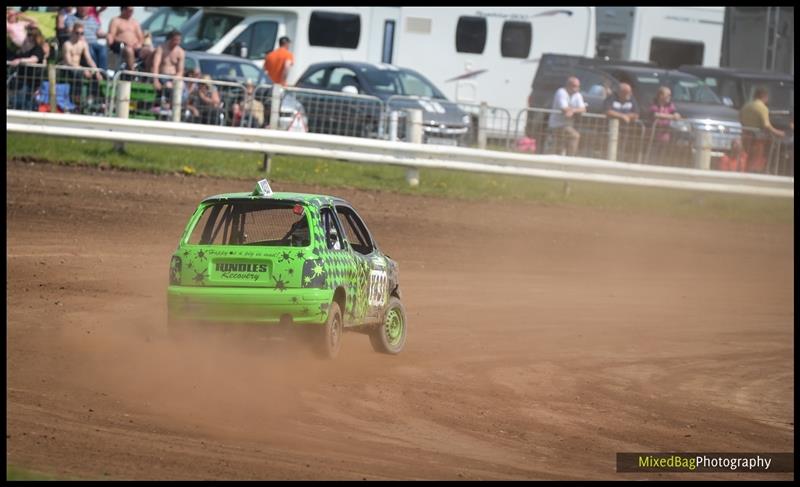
x=593, y=83
x=340, y=77
x=189, y=64
x=259, y=38
x=356, y=231
x=331, y=231
x=315, y=79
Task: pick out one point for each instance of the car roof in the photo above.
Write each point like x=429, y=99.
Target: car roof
x=207, y=56
x=316, y=200
x=356, y=65
x=644, y=70
x=738, y=73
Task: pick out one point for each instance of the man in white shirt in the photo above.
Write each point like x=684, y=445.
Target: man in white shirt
x=569, y=102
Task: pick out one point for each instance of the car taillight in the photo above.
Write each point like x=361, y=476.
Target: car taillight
x=175, y=270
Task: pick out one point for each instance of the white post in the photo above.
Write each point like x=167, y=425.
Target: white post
x=702, y=149
x=177, y=97
x=483, y=120
x=123, y=107
x=275, y=108
x=393, y=125
x=413, y=135
x=613, y=138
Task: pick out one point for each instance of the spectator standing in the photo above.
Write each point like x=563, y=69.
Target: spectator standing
x=92, y=31
x=569, y=102
x=757, y=129
x=622, y=106
x=279, y=61
x=95, y=12
x=168, y=59
x=16, y=31
x=34, y=50
x=28, y=78
x=662, y=111
x=125, y=38
x=62, y=31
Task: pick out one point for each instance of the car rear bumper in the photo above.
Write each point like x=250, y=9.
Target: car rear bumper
x=248, y=305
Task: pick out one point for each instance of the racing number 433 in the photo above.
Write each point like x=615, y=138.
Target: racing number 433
x=378, y=286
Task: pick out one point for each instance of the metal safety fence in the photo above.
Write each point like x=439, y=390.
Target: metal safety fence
x=177, y=98
x=337, y=113
x=697, y=143
x=705, y=144
x=76, y=90
x=587, y=135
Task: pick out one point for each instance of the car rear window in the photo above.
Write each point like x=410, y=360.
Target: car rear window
x=251, y=223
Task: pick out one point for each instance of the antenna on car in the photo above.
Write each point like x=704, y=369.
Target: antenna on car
x=263, y=189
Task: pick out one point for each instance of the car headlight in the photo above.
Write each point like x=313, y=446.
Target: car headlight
x=680, y=125
x=175, y=270
x=466, y=120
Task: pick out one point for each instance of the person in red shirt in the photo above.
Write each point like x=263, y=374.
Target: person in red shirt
x=278, y=62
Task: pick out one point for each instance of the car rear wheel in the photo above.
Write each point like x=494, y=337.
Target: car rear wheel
x=329, y=340
x=390, y=336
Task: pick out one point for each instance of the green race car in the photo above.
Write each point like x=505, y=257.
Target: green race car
x=290, y=259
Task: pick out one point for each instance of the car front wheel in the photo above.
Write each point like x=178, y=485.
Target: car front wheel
x=390, y=336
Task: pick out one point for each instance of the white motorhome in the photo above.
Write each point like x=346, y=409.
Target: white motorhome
x=668, y=36
x=473, y=54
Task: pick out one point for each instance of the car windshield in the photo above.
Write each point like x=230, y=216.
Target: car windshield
x=390, y=82
x=208, y=30
x=272, y=223
x=231, y=70
x=686, y=89
x=167, y=19
x=781, y=93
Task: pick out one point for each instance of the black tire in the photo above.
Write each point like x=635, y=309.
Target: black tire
x=329, y=338
x=386, y=337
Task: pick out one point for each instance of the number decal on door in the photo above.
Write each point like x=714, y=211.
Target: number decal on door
x=378, y=284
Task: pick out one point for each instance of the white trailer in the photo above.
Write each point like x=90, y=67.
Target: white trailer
x=472, y=54
x=668, y=36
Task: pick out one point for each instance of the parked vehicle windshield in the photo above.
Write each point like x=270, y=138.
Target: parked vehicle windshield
x=167, y=19
x=687, y=89
x=232, y=71
x=208, y=31
x=781, y=93
x=388, y=83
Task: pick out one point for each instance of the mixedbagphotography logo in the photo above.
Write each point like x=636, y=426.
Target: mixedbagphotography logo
x=705, y=462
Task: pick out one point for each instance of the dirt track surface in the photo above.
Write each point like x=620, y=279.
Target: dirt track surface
x=542, y=341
